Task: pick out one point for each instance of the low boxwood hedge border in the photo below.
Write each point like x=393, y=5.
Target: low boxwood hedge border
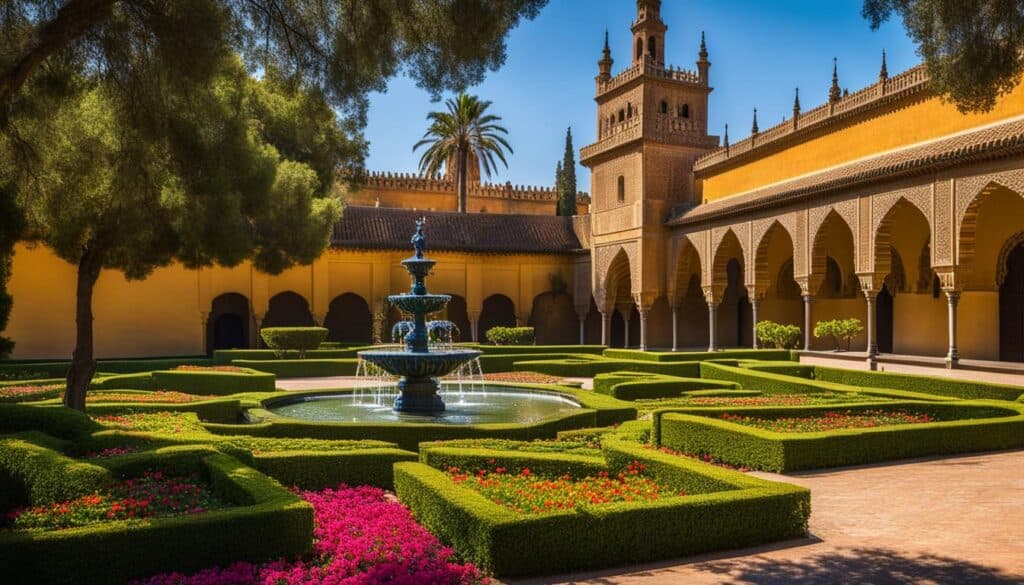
x=638, y=386
x=727, y=510
x=940, y=385
x=995, y=426
x=213, y=382
x=586, y=366
x=304, y=368
x=59, y=369
x=224, y=357
x=700, y=356
x=269, y=522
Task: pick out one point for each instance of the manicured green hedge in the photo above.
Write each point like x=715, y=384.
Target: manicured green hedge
x=699, y=356
x=940, y=385
x=319, y=470
x=589, y=366
x=772, y=383
x=224, y=357
x=297, y=339
x=782, y=368
x=510, y=335
x=216, y=383
x=269, y=523
x=222, y=410
x=30, y=459
x=304, y=368
x=59, y=369
x=538, y=349
x=701, y=432
x=138, y=381
x=728, y=510
x=56, y=421
x=633, y=386
x=505, y=362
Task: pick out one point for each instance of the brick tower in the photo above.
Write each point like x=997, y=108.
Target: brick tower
x=651, y=125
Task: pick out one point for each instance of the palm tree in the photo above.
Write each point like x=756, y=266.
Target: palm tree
x=466, y=130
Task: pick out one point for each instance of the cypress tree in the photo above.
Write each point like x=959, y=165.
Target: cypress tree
x=567, y=185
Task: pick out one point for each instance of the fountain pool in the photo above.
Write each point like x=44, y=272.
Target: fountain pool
x=470, y=404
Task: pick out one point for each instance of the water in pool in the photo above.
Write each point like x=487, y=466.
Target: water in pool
x=482, y=404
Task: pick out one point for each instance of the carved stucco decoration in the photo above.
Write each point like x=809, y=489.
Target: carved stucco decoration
x=970, y=197
x=762, y=232
x=942, y=223
x=1004, y=256
x=687, y=258
x=735, y=235
x=884, y=207
x=604, y=257
x=844, y=213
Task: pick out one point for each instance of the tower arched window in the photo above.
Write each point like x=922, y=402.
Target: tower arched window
x=664, y=107
x=639, y=48
x=652, y=47
x=622, y=115
x=629, y=110
x=622, y=188
x=684, y=111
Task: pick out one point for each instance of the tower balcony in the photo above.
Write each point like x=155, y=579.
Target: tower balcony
x=647, y=67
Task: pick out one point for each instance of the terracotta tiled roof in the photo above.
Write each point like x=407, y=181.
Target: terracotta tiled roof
x=382, y=228
x=994, y=142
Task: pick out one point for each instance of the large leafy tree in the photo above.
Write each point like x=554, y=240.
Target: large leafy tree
x=566, y=186
x=156, y=59
x=465, y=130
x=239, y=176
x=973, y=49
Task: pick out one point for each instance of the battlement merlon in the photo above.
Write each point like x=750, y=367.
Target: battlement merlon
x=422, y=183
x=647, y=67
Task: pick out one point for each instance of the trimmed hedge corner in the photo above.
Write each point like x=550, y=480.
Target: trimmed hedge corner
x=725, y=509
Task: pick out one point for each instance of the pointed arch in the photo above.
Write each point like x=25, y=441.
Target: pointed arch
x=775, y=235
x=968, y=235
x=728, y=248
x=908, y=217
x=832, y=240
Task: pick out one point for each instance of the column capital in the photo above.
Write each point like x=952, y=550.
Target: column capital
x=713, y=293
x=950, y=278
x=756, y=293
x=644, y=301
x=870, y=282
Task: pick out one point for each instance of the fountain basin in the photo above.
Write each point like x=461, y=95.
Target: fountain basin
x=430, y=364
x=470, y=405
x=426, y=303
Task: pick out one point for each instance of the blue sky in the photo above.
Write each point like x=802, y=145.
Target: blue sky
x=759, y=50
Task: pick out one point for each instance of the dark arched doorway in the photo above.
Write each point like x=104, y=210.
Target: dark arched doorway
x=228, y=324
x=883, y=320
x=734, y=313
x=498, y=311
x=349, y=320
x=288, y=309
x=1011, y=308
x=553, y=319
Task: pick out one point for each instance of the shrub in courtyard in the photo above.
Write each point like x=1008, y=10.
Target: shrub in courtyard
x=772, y=334
x=510, y=335
x=840, y=330
x=298, y=339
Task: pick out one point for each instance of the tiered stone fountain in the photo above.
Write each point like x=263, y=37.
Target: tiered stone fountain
x=418, y=365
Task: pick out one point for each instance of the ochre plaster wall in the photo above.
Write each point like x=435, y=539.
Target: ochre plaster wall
x=917, y=122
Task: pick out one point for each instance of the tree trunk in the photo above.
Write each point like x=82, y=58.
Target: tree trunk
x=462, y=194
x=83, y=364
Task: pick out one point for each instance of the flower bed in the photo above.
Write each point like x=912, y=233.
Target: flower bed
x=159, y=396
x=173, y=423
x=824, y=398
x=30, y=393
x=831, y=421
x=152, y=495
x=362, y=536
x=109, y=452
x=812, y=437
x=525, y=493
x=188, y=368
x=523, y=378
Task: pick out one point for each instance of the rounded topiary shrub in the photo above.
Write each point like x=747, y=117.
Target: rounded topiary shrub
x=298, y=339
x=510, y=335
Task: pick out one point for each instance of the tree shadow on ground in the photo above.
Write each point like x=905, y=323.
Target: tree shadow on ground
x=876, y=566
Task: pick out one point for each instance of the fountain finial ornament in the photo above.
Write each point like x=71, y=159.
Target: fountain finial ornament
x=419, y=241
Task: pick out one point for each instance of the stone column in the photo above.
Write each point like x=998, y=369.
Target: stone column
x=712, y=326
x=583, y=330
x=675, y=328
x=871, y=296
x=808, y=303
x=643, y=327
x=606, y=328
x=953, y=299
x=257, y=323
x=204, y=321
x=474, y=322
x=755, y=313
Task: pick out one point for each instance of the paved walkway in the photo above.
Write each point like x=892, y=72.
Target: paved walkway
x=952, y=520
x=963, y=374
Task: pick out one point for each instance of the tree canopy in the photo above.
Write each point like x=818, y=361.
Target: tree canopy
x=565, y=184
x=973, y=49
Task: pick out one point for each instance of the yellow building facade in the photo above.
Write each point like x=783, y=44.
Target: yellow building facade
x=885, y=204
